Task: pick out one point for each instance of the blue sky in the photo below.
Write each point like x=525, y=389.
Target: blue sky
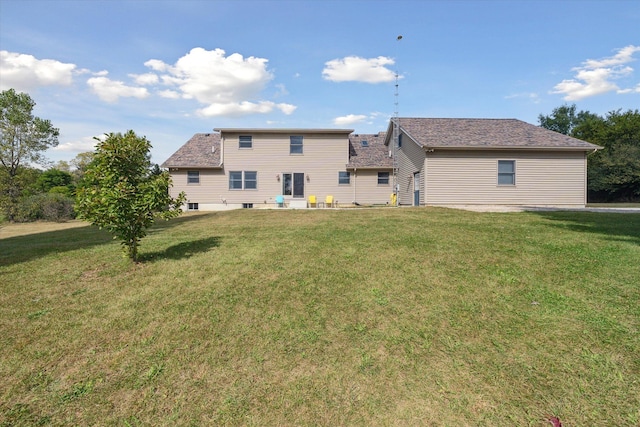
x=169, y=69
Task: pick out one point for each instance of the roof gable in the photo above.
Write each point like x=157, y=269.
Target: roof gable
x=201, y=151
x=375, y=155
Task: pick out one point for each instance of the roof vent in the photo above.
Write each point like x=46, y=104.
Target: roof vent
x=364, y=143
x=213, y=148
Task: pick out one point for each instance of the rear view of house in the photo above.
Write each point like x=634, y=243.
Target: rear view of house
x=432, y=162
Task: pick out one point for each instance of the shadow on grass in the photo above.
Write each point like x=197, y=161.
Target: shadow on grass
x=30, y=246
x=26, y=247
x=623, y=227
x=181, y=250
x=161, y=225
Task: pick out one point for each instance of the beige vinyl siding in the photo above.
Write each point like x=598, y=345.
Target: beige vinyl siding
x=410, y=160
x=470, y=177
x=324, y=155
x=366, y=189
x=212, y=183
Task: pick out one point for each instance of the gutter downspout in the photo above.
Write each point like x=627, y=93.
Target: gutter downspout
x=355, y=185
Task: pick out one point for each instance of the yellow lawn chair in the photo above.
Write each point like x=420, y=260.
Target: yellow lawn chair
x=313, y=203
x=328, y=202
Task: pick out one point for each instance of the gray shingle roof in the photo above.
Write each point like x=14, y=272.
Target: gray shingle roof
x=201, y=151
x=486, y=133
x=374, y=155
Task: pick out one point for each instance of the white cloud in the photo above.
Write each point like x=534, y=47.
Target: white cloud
x=24, y=72
x=145, y=79
x=111, y=90
x=156, y=65
x=349, y=119
x=227, y=85
x=244, y=108
x=354, y=68
x=532, y=96
x=596, y=76
x=171, y=94
x=83, y=145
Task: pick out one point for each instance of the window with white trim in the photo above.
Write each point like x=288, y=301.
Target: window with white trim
x=344, y=178
x=243, y=180
x=383, y=178
x=193, y=177
x=246, y=141
x=295, y=145
x=506, y=172
x=192, y=206
x=250, y=180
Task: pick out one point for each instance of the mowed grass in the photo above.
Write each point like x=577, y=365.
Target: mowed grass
x=369, y=317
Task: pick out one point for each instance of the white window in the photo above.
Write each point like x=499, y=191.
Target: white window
x=250, y=180
x=506, y=172
x=383, y=178
x=239, y=180
x=344, y=178
x=192, y=206
x=246, y=141
x=193, y=177
x=295, y=145
x=235, y=180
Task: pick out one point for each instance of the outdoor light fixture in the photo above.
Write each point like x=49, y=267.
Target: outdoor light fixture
x=308, y=178
x=278, y=177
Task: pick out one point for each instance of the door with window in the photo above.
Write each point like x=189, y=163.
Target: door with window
x=293, y=184
x=416, y=189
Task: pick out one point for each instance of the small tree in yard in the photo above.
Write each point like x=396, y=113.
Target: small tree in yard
x=120, y=192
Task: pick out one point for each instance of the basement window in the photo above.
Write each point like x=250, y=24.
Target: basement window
x=247, y=205
x=192, y=206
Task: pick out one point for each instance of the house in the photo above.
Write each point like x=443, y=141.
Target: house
x=488, y=162
x=436, y=162
x=236, y=168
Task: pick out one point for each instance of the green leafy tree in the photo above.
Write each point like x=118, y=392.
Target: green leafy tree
x=120, y=193
x=614, y=171
x=54, y=178
x=80, y=163
x=23, y=138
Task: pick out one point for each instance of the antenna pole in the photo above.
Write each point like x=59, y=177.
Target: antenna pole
x=396, y=138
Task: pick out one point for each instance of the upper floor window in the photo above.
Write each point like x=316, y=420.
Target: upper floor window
x=383, y=178
x=344, y=178
x=506, y=172
x=193, y=177
x=246, y=141
x=295, y=145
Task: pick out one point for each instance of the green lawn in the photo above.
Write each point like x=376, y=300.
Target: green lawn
x=370, y=317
